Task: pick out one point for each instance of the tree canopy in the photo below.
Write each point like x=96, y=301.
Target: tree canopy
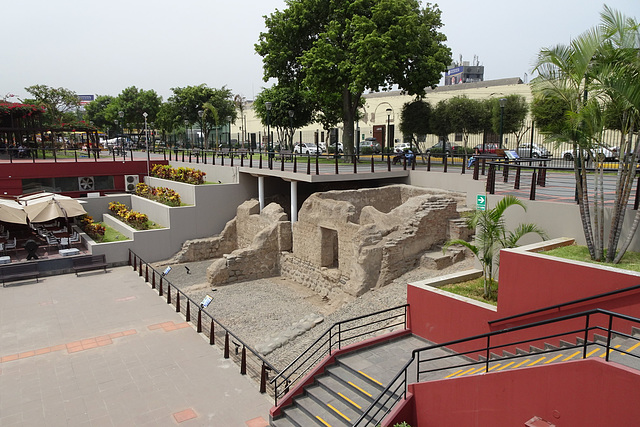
x=59, y=103
x=342, y=49
x=594, y=78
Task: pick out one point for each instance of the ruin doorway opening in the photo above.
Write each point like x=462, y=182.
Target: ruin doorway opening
x=329, y=248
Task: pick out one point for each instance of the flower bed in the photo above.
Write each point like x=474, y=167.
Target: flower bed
x=188, y=175
x=95, y=230
x=163, y=195
x=137, y=220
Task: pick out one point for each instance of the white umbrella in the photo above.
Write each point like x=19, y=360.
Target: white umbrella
x=43, y=207
x=12, y=211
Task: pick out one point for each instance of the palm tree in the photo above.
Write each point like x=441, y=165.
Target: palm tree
x=594, y=77
x=492, y=235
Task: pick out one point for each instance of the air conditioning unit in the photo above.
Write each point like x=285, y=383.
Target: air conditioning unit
x=130, y=182
x=86, y=183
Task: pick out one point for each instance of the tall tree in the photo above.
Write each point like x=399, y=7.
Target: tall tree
x=466, y=116
x=416, y=117
x=284, y=99
x=216, y=105
x=133, y=102
x=512, y=117
x=59, y=103
x=598, y=71
x=97, y=111
x=345, y=48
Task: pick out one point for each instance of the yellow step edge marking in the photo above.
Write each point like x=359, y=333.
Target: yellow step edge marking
x=338, y=412
x=630, y=349
x=571, y=356
x=454, y=374
x=505, y=366
x=521, y=363
x=610, y=350
x=555, y=358
x=323, y=421
x=494, y=367
x=536, y=361
x=355, y=386
x=467, y=371
x=349, y=400
x=593, y=352
x=372, y=379
x=477, y=370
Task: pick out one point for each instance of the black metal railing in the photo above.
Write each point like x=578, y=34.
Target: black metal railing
x=250, y=361
x=585, y=337
x=337, y=336
x=565, y=304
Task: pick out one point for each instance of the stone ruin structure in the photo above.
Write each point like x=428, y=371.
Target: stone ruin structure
x=344, y=243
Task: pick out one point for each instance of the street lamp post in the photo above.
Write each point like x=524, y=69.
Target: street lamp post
x=389, y=144
x=503, y=102
x=146, y=133
x=186, y=133
x=229, y=136
x=121, y=115
x=268, y=105
x=201, y=115
x=291, y=113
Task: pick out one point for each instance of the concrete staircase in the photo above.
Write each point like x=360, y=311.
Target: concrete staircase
x=337, y=398
x=341, y=394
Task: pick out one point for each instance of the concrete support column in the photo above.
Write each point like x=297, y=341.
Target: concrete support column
x=261, y=192
x=294, y=201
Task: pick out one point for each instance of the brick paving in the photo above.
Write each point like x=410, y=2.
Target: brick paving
x=104, y=350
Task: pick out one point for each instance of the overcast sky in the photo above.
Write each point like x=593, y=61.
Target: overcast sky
x=104, y=47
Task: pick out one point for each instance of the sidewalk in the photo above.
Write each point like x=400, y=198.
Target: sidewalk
x=104, y=350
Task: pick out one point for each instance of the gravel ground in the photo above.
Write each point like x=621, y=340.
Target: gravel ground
x=256, y=310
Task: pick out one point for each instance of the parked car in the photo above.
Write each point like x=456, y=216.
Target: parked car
x=402, y=146
x=602, y=153
x=487, y=148
x=372, y=144
x=305, y=148
x=442, y=147
x=332, y=148
x=526, y=150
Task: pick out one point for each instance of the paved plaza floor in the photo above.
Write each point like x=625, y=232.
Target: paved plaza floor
x=105, y=350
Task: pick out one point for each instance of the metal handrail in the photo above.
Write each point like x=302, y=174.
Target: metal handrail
x=192, y=301
x=370, y=415
x=564, y=304
x=285, y=377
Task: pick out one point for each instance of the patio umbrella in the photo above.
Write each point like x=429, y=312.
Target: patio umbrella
x=45, y=207
x=11, y=211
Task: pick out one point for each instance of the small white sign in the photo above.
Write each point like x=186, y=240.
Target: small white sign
x=206, y=301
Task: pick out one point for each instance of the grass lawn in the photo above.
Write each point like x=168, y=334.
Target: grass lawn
x=473, y=289
x=630, y=260
x=111, y=235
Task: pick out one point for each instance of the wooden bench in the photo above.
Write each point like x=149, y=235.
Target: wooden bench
x=89, y=262
x=9, y=273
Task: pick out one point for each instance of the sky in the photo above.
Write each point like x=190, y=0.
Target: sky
x=102, y=47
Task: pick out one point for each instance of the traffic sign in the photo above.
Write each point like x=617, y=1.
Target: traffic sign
x=481, y=202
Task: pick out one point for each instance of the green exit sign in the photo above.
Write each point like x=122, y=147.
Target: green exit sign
x=481, y=202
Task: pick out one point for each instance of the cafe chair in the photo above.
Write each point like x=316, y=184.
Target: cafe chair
x=11, y=244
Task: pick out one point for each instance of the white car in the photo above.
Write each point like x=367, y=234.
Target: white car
x=601, y=154
x=402, y=146
x=305, y=148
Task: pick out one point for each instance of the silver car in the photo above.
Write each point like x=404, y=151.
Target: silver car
x=526, y=150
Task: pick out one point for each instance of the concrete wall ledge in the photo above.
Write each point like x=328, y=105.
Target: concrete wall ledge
x=433, y=285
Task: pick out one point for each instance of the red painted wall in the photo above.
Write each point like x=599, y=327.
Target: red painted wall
x=11, y=174
x=528, y=281
x=588, y=392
